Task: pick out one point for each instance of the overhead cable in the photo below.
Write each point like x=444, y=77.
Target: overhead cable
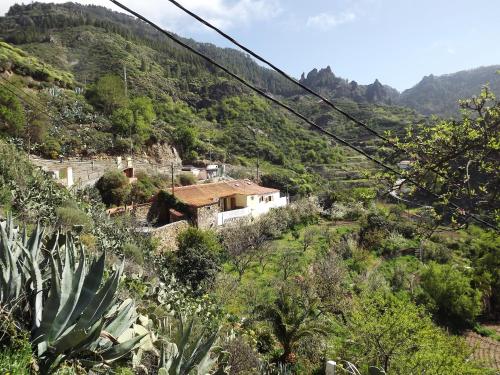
x=297, y=114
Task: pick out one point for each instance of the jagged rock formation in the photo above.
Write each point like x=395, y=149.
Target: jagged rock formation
x=325, y=81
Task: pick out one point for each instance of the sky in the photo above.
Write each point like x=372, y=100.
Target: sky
x=397, y=42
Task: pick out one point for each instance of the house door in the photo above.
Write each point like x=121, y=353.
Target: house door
x=233, y=203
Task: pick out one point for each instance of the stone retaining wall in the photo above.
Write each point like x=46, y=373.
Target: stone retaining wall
x=87, y=171
x=167, y=235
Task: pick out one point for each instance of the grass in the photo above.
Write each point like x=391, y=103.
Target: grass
x=16, y=361
x=258, y=286
x=487, y=332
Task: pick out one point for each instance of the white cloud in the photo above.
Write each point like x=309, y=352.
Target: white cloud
x=223, y=13
x=326, y=21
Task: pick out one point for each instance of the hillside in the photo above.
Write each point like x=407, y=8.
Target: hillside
x=440, y=94
x=156, y=270
x=228, y=122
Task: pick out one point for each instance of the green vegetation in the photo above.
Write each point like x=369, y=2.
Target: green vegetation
x=12, y=118
x=70, y=318
x=391, y=332
x=190, y=105
x=449, y=294
x=457, y=159
x=24, y=64
x=340, y=274
x=108, y=94
x=114, y=188
x=198, y=258
x=16, y=360
x=186, y=179
x=438, y=95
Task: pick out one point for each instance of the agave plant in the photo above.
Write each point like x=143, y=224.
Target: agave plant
x=78, y=317
x=12, y=277
x=187, y=353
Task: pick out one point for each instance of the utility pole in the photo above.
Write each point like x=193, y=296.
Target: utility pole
x=258, y=166
x=126, y=96
x=254, y=132
x=172, y=173
x=29, y=137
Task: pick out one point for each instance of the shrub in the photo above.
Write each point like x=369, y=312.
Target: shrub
x=114, y=188
x=131, y=251
x=242, y=357
x=51, y=148
x=12, y=117
x=145, y=188
x=70, y=216
x=394, y=244
x=483, y=248
x=107, y=94
x=391, y=332
x=186, y=179
x=449, y=295
x=16, y=359
x=198, y=258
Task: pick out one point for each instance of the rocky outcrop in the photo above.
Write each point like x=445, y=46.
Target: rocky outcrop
x=164, y=154
x=325, y=81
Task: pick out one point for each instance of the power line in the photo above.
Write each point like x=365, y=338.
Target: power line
x=294, y=112
x=284, y=74
x=279, y=103
x=262, y=93
x=298, y=83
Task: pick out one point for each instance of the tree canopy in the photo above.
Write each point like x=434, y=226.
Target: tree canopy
x=458, y=159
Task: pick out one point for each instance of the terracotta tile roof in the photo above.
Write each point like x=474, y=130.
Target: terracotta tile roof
x=207, y=194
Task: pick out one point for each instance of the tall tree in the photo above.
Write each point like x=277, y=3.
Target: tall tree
x=108, y=93
x=458, y=159
x=294, y=315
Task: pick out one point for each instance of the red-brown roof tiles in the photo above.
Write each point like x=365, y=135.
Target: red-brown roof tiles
x=207, y=194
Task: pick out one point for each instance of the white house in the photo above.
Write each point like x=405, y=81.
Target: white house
x=218, y=203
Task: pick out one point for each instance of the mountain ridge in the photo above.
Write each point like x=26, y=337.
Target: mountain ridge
x=432, y=95
x=26, y=24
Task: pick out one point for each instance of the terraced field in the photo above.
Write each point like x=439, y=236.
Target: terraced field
x=486, y=349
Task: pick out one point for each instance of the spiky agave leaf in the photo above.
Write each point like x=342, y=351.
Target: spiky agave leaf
x=69, y=320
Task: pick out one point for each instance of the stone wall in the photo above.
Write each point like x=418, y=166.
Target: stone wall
x=141, y=212
x=87, y=171
x=167, y=235
x=206, y=217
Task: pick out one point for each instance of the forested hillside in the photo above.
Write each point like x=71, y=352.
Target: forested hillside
x=439, y=95
x=174, y=91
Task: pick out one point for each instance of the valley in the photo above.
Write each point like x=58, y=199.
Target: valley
x=158, y=217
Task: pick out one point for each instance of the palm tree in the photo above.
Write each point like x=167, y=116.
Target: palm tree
x=293, y=316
